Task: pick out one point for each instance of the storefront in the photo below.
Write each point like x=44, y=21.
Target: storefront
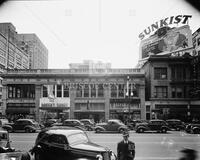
x=58, y=108
x=124, y=109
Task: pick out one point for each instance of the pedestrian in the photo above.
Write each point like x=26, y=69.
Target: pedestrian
x=188, y=154
x=126, y=148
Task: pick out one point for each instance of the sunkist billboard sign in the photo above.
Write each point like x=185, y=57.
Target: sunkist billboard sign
x=166, y=39
x=165, y=22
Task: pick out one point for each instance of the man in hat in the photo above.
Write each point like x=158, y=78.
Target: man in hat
x=126, y=148
x=188, y=154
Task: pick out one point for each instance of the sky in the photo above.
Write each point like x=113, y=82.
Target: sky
x=98, y=30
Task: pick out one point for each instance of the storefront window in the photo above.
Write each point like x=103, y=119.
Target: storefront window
x=44, y=91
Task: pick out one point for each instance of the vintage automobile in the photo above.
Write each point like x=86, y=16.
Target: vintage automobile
x=132, y=123
x=71, y=123
x=193, y=128
x=88, y=123
x=50, y=122
x=113, y=125
x=60, y=142
x=152, y=125
x=7, y=152
x=25, y=125
x=4, y=123
x=175, y=124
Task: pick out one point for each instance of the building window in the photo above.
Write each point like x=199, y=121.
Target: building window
x=160, y=73
x=59, y=90
x=160, y=92
x=113, y=91
x=79, y=91
x=93, y=90
x=121, y=90
x=86, y=90
x=177, y=92
x=100, y=90
x=178, y=73
x=21, y=91
x=65, y=91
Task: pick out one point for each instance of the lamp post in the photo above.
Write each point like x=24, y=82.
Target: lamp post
x=128, y=96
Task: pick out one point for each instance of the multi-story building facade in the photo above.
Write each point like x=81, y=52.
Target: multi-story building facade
x=38, y=53
x=169, y=78
x=77, y=93
x=11, y=56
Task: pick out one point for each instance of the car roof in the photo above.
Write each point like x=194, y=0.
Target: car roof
x=63, y=131
x=173, y=120
x=156, y=120
x=21, y=119
x=71, y=120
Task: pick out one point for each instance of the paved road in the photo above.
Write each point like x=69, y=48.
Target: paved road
x=149, y=146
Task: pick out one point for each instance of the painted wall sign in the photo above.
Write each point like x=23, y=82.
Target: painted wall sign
x=165, y=22
x=57, y=102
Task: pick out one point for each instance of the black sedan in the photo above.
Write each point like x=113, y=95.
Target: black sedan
x=68, y=143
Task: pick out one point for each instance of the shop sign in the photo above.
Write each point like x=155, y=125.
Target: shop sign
x=56, y=102
x=165, y=22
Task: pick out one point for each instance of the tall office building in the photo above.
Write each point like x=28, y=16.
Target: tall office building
x=37, y=51
x=11, y=55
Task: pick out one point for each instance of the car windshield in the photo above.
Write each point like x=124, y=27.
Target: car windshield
x=77, y=138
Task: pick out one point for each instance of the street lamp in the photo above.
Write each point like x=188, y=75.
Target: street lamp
x=128, y=96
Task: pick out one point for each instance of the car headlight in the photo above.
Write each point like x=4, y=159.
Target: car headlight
x=99, y=157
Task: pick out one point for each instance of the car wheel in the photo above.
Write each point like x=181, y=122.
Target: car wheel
x=121, y=130
x=141, y=130
x=164, y=130
x=98, y=130
x=27, y=130
x=196, y=131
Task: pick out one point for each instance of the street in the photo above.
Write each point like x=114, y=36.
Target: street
x=148, y=145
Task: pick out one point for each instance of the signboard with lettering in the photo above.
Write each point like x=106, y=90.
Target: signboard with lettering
x=56, y=102
x=166, y=40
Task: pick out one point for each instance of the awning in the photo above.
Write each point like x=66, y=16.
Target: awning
x=18, y=110
x=54, y=109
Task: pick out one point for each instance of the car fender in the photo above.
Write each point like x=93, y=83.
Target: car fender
x=165, y=127
x=30, y=127
x=101, y=128
x=122, y=127
x=143, y=127
x=7, y=127
x=194, y=128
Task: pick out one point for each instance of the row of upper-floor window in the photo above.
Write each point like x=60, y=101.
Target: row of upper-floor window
x=89, y=90
x=176, y=92
x=177, y=73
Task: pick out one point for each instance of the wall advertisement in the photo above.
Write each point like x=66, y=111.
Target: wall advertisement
x=166, y=40
x=55, y=102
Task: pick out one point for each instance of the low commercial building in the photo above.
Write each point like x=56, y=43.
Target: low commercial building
x=99, y=94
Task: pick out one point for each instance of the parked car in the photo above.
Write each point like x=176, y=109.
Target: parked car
x=175, y=124
x=113, y=125
x=25, y=125
x=49, y=122
x=7, y=152
x=68, y=143
x=71, y=123
x=193, y=128
x=4, y=123
x=132, y=123
x=152, y=125
x=88, y=123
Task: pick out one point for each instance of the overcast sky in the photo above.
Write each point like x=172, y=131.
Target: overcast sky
x=99, y=30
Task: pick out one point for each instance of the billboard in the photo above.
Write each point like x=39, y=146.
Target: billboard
x=166, y=40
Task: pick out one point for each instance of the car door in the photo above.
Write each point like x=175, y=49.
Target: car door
x=18, y=125
x=153, y=125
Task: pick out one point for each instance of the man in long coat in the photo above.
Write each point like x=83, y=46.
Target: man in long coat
x=126, y=148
